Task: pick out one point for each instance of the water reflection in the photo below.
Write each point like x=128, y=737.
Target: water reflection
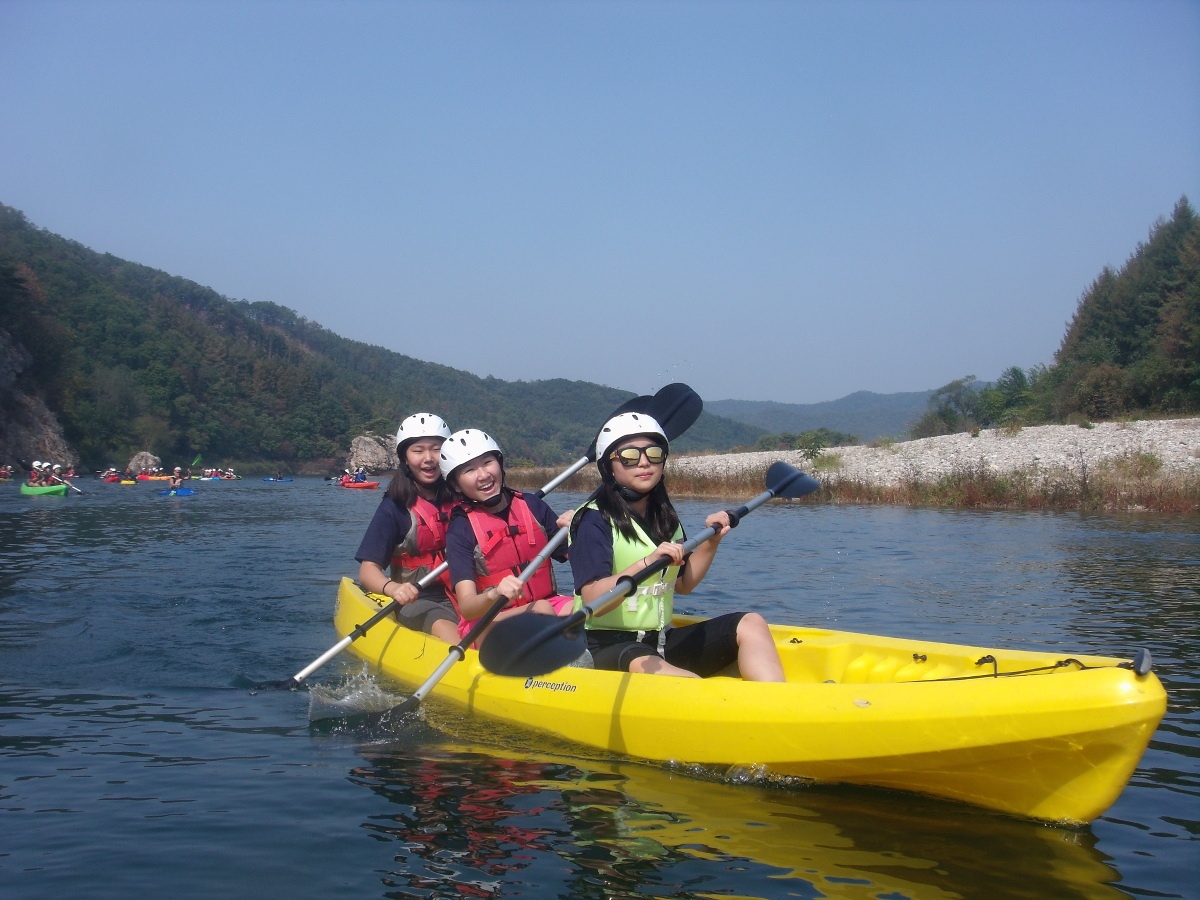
x=472, y=821
x=132, y=628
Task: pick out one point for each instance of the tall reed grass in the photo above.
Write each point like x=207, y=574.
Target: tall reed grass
x=1133, y=483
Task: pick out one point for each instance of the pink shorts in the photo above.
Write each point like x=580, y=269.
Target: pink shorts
x=559, y=602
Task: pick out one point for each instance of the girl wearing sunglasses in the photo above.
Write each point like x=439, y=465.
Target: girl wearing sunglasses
x=630, y=524
x=493, y=534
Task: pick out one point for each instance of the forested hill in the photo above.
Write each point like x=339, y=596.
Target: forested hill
x=129, y=358
x=1134, y=342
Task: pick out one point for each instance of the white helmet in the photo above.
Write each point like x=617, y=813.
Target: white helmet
x=421, y=425
x=466, y=445
x=627, y=425
x=37, y=463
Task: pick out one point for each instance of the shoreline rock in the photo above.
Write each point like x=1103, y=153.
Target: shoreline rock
x=1044, y=449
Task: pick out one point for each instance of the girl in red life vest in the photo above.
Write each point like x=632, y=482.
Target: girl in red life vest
x=408, y=532
x=493, y=534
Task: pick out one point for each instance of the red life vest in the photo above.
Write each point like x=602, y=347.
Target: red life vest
x=424, y=547
x=508, y=546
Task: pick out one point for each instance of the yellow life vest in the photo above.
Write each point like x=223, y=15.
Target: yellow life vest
x=650, y=607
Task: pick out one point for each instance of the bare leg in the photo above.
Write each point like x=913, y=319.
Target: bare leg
x=445, y=630
x=758, y=660
x=656, y=665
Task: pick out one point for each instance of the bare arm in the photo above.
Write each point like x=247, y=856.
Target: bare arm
x=702, y=556
x=372, y=577
x=472, y=604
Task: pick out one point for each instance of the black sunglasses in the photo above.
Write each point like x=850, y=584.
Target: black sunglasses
x=631, y=456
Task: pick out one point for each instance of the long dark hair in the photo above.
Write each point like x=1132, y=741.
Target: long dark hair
x=660, y=520
x=403, y=490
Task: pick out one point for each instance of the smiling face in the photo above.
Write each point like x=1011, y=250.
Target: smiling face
x=422, y=458
x=480, y=479
x=641, y=477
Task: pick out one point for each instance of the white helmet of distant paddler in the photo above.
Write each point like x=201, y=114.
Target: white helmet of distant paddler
x=463, y=446
x=627, y=425
x=420, y=425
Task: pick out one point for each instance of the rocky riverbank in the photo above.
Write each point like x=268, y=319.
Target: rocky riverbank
x=1167, y=447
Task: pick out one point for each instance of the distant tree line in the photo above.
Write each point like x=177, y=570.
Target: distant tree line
x=1132, y=349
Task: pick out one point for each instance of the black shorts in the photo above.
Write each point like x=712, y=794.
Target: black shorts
x=424, y=611
x=704, y=647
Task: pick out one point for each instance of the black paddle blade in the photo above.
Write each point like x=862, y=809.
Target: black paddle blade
x=531, y=644
x=676, y=408
x=633, y=404
x=788, y=481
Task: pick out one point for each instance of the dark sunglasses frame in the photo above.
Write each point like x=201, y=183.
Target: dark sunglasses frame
x=630, y=461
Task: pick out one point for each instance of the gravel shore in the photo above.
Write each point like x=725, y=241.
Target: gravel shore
x=1045, y=450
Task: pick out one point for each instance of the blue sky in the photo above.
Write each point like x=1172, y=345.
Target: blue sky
x=768, y=200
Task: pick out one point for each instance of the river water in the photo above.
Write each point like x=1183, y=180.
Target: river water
x=139, y=752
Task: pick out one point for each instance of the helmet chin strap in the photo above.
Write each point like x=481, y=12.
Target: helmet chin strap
x=629, y=494
x=493, y=502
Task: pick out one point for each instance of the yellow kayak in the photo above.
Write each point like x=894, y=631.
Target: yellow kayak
x=1044, y=735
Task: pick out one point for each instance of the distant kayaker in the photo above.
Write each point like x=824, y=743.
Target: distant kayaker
x=632, y=523
x=176, y=480
x=493, y=534
x=408, y=532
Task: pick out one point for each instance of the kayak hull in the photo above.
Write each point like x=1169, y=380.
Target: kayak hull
x=1056, y=744
x=43, y=490
x=361, y=485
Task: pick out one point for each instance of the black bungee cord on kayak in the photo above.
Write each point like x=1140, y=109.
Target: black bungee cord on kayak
x=1142, y=663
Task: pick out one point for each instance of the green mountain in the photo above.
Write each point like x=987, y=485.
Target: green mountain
x=129, y=358
x=1134, y=342
x=864, y=414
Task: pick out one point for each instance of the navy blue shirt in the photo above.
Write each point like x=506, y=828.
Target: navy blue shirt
x=388, y=528
x=592, y=549
x=461, y=543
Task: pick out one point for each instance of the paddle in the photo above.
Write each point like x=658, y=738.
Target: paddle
x=675, y=407
x=67, y=483
x=526, y=646
x=459, y=650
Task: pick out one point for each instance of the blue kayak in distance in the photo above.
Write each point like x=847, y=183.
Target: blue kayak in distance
x=178, y=492
x=278, y=479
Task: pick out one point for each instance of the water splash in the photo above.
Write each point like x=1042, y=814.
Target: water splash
x=357, y=696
